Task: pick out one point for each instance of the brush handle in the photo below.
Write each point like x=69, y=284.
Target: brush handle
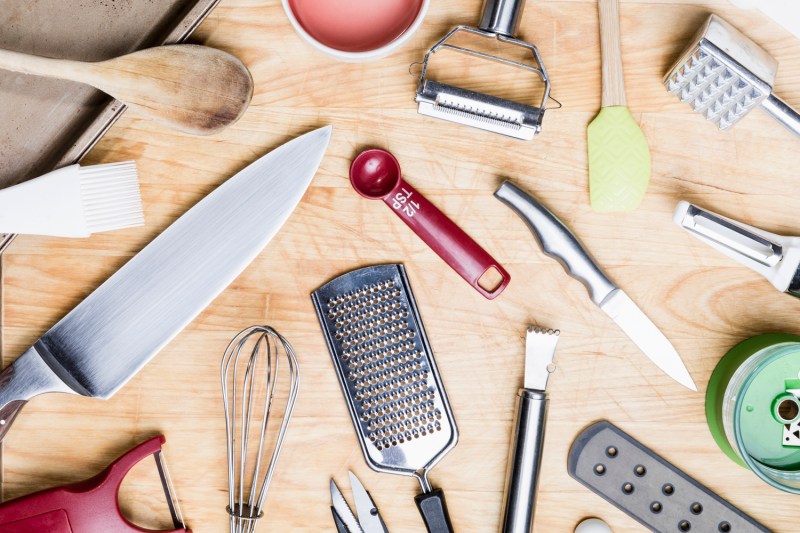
x=611, y=51
x=64, y=69
x=783, y=113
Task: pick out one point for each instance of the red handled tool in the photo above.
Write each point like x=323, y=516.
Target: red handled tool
x=90, y=506
x=375, y=174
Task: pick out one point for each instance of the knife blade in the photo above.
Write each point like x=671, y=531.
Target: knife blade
x=558, y=242
x=368, y=515
x=99, y=345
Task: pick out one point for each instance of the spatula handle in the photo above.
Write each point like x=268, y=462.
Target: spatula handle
x=611, y=51
x=433, y=508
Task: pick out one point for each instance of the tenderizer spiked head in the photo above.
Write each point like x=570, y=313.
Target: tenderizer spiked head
x=723, y=74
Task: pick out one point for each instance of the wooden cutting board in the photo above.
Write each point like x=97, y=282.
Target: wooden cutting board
x=702, y=301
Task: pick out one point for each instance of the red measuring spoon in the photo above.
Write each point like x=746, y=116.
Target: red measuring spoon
x=375, y=174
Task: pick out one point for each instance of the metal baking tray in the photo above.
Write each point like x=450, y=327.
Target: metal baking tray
x=45, y=123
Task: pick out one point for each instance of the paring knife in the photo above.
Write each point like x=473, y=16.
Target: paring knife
x=107, y=338
x=776, y=257
x=558, y=242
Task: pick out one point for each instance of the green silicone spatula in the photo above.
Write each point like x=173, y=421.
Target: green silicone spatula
x=619, y=156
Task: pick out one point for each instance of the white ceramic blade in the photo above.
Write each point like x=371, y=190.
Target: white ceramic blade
x=646, y=336
x=115, y=331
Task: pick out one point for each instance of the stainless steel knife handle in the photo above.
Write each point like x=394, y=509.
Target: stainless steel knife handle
x=557, y=241
x=27, y=377
x=502, y=16
x=524, y=462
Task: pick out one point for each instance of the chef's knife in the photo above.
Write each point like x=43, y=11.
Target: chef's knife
x=107, y=338
x=558, y=242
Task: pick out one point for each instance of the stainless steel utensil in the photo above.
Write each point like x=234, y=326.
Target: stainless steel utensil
x=107, y=338
x=775, y=257
x=500, y=21
x=525, y=457
x=558, y=242
x=723, y=75
x=251, y=373
x=389, y=378
x=370, y=520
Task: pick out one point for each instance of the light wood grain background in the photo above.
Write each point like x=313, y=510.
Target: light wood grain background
x=702, y=301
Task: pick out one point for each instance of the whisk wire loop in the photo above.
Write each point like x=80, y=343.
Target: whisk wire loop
x=259, y=350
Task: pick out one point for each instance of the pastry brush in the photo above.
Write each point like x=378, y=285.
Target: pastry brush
x=619, y=156
x=74, y=201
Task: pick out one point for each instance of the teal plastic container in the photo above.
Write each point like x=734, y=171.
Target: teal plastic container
x=752, y=405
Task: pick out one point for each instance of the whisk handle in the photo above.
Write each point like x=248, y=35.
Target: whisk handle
x=433, y=508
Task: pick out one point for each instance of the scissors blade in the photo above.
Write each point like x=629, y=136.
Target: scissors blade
x=369, y=516
x=343, y=510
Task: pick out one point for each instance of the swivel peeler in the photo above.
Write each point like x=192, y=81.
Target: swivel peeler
x=500, y=21
x=90, y=506
x=775, y=257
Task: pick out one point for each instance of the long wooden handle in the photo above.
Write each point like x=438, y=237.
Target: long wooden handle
x=611, y=50
x=64, y=69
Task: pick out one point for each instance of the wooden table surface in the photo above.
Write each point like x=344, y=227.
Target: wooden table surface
x=701, y=300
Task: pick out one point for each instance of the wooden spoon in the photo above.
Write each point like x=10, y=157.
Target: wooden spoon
x=191, y=88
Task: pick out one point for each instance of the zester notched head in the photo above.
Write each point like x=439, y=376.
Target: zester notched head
x=386, y=369
x=723, y=74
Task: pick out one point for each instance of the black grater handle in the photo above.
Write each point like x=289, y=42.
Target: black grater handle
x=433, y=508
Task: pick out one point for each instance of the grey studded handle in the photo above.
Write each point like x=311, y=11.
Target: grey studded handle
x=557, y=241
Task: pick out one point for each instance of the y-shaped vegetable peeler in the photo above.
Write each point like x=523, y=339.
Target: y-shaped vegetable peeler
x=89, y=506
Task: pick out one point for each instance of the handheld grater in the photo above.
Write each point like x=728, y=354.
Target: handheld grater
x=500, y=20
x=724, y=75
x=389, y=378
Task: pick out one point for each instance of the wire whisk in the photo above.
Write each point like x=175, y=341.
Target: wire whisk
x=251, y=375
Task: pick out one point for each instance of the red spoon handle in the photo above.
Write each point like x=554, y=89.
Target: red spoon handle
x=458, y=250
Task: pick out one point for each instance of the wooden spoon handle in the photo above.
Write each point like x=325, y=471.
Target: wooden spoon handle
x=64, y=69
x=611, y=50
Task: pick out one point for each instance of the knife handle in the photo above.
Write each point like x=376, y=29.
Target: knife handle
x=27, y=377
x=524, y=462
x=557, y=241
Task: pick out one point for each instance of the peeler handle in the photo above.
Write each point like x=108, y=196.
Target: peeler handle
x=84, y=507
x=433, y=508
x=450, y=242
x=783, y=113
x=524, y=462
x=502, y=16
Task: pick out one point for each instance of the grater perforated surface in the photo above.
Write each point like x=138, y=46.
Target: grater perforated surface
x=386, y=368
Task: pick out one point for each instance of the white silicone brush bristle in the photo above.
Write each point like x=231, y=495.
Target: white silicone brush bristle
x=73, y=201
x=111, y=197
